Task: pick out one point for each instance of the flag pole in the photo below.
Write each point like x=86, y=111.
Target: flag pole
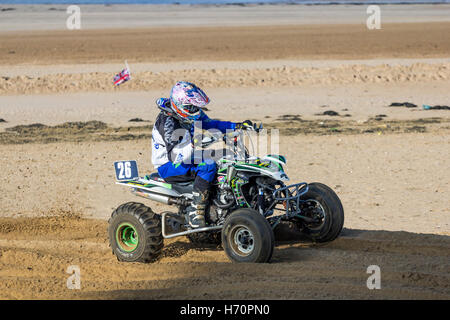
x=128, y=68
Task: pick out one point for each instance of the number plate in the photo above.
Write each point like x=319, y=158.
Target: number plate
x=126, y=170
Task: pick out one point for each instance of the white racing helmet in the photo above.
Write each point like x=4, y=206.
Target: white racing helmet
x=186, y=99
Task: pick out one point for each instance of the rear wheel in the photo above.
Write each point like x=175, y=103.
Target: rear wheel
x=323, y=206
x=247, y=237
x=135, y=233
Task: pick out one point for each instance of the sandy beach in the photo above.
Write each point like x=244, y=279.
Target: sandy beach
x=281, y=65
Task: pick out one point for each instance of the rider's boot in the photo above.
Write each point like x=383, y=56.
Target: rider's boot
x=197, y=208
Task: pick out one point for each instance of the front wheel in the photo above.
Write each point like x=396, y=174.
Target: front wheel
x=247, y=237
x=322, y=205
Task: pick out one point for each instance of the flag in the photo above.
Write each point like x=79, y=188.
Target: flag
x=123, y=76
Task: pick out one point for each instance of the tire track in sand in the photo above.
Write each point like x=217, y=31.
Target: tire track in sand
x=35, y=254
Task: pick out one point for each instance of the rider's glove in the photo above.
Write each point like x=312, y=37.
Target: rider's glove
x=246, y=125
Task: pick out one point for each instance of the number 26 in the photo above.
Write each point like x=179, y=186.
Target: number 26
x=125, y=168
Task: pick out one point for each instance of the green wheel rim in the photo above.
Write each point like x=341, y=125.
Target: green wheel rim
x=127, y=237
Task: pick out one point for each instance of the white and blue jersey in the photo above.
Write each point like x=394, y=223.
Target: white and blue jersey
x=172, y=141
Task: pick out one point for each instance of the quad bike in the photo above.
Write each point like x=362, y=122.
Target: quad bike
x=248, y=200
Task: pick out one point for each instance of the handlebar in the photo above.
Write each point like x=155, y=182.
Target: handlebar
x=235, y=145
x=213, y=137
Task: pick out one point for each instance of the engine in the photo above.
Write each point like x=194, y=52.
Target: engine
x=222, y=200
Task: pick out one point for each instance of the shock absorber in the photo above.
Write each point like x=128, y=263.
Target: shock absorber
x=261, y=201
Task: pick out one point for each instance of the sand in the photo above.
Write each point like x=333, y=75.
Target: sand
x=391, y=172
x=172, y=44
x=413, y=266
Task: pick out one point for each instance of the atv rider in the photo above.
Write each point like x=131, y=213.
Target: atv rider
x=173, y=144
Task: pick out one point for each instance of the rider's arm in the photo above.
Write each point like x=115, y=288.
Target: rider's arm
x=223, y=126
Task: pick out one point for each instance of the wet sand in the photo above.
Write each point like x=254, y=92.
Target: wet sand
x=171, y=44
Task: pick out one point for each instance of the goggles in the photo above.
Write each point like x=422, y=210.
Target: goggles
x=190, y=108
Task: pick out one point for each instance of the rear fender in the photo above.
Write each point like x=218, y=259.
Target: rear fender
x=151, y=187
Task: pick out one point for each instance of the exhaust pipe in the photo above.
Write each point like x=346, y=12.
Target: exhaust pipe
x=161, y=198
x=152, y=196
